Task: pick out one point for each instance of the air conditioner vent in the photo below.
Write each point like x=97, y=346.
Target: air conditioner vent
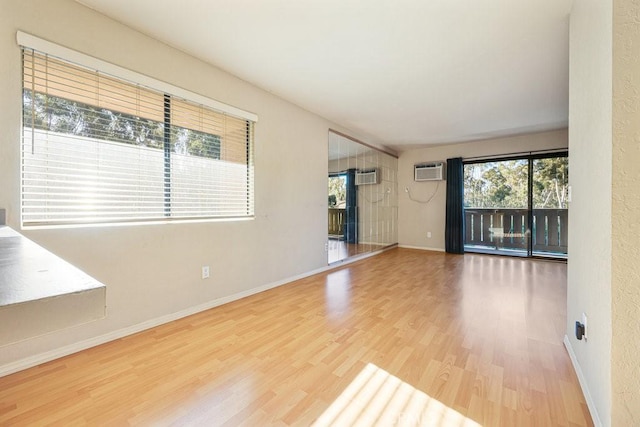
x=367, y=177
x=433, y=171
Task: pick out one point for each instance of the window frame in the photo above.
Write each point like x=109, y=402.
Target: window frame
x=27, y=41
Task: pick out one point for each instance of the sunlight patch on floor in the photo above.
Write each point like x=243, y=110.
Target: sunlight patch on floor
x=376, y=397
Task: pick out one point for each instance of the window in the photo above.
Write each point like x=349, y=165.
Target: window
x=102, y=149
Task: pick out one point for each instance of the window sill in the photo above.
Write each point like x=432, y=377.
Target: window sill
x=141, y=223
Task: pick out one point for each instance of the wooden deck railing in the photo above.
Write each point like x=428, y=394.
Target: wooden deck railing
x=507, y=229
x=336, y=221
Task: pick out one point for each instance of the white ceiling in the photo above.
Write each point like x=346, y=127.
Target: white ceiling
x=408, y=72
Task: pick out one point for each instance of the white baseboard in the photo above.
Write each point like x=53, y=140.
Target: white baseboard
x=355, y=258
x=422, y=248
x=583, y=383
x=47, y=356
x=382, y=245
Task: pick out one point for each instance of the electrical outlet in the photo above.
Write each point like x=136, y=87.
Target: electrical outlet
x=205, y=272
x=584, y=325
x=428, y=234
x=579, y=330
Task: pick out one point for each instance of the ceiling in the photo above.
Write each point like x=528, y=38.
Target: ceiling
x=409, y=73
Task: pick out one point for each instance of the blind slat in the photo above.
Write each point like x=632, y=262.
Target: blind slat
x=95, y=150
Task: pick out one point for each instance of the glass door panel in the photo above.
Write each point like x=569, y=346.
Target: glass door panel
x=496, y=201
x=550, y=210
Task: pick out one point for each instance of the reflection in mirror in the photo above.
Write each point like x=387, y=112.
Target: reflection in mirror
x=363, y=198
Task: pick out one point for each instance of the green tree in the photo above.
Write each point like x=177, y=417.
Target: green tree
x=551, y=182
x=337, y=189
x=504, y=184
x=496, y=184
x=61, y=115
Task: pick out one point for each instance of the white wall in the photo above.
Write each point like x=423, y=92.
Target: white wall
x=590, y=141
x=417, y=219
x=154, y=270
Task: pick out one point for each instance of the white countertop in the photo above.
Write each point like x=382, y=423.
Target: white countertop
x=28, y=272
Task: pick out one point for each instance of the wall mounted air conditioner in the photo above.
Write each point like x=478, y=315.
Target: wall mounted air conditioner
x=432, y=171
x=366, y=177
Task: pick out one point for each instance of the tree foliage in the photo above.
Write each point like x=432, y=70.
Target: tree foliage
x=504, y=184
x=337, y=191
x=551, y=182
x=56, y=114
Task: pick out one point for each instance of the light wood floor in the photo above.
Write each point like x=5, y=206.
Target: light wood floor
x=403, y=338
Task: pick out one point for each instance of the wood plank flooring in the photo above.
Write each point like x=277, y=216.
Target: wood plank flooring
x=403, y=338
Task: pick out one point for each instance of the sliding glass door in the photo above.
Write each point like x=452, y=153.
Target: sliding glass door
x=497, y=207
x=517, y=206
x=550, y=206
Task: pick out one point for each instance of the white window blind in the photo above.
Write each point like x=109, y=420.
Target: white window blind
x=100, y=149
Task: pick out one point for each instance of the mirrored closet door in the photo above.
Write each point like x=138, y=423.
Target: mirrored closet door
x=362, y=198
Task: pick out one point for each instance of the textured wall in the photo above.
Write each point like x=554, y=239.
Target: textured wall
x=625, y=290
x=589, y=268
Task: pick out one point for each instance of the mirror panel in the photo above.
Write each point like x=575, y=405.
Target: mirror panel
x=362, y=216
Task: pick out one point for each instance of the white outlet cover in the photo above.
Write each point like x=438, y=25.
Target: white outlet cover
x=205, y=272
x=584, y=322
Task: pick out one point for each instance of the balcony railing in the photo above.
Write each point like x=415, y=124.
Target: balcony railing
x=336, y=221
x=507, y=229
